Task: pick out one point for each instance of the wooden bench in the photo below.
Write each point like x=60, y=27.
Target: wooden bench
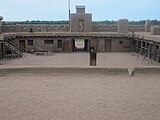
x=43, y=52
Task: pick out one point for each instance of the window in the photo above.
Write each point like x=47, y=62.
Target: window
x=30, y=42
x=81, y=25
x=48, y=41
x=59, y=43
x=120, y=42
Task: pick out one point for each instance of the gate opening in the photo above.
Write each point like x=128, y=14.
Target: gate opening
x=80, y=45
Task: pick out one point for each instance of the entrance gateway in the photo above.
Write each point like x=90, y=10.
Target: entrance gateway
x=80, y=45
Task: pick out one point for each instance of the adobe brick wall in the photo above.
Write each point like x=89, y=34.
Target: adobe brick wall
x=147, y=26
x=87, y=18
x=122, y=45
x=114, y=28
x=136, y=28
x=1, y=18
x=36, y=28
x=155, y=30
x=0, y=26
x=65, y=28
x=123, y=26
x=104, y=28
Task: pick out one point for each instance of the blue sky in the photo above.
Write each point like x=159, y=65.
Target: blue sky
x=58, y=9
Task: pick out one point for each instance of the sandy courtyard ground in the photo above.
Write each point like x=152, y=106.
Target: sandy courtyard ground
x=77, y=59
x=79, y=97
x=43, y=95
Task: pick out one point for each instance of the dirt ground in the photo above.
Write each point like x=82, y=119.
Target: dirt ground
x=78, y=96
x=78, y=59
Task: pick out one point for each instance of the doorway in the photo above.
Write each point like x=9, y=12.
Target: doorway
x=22, y=44
x=80, y=45
x=2, y=51
x=108, y=45
x=59, y=46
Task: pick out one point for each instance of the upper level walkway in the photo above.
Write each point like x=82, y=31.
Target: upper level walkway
x=144, y=35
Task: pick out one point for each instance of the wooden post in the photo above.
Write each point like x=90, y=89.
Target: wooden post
x=93, y=57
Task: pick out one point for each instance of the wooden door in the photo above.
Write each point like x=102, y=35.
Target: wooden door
x=68, y=46
x=59, y=43
x=108, y=45
x=2, y=51
x=22, y=44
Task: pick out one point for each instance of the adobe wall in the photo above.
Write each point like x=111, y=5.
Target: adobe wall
x=99, y=44
x=104, y=28
x=122, y=45
x=112, y=44
x=0, y=26
x=114, y=28
x=155, y=30
x=148, y=26
x=80, y=21
x=136, y=28
x=1, y=18
x=36, y=28
x=65, y=28
x=38, y=44
x=76, y=26
x=123, y=26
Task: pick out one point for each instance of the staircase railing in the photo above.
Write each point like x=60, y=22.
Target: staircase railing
x=13, y=46
x=19, y=47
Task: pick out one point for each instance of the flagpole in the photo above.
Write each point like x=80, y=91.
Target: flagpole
x=69, y=12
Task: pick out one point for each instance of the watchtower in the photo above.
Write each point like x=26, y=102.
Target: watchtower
x=80, y=9
x=147, y=26
x=123, y=26
x=81, y=21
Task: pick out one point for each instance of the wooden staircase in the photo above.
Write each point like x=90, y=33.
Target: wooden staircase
x=12, y=46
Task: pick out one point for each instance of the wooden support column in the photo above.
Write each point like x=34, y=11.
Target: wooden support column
x=154, y=51
x=149, y=51
x=158, y=53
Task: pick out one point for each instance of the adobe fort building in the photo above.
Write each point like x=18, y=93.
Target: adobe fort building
x=62, y=38
x=81, y=21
